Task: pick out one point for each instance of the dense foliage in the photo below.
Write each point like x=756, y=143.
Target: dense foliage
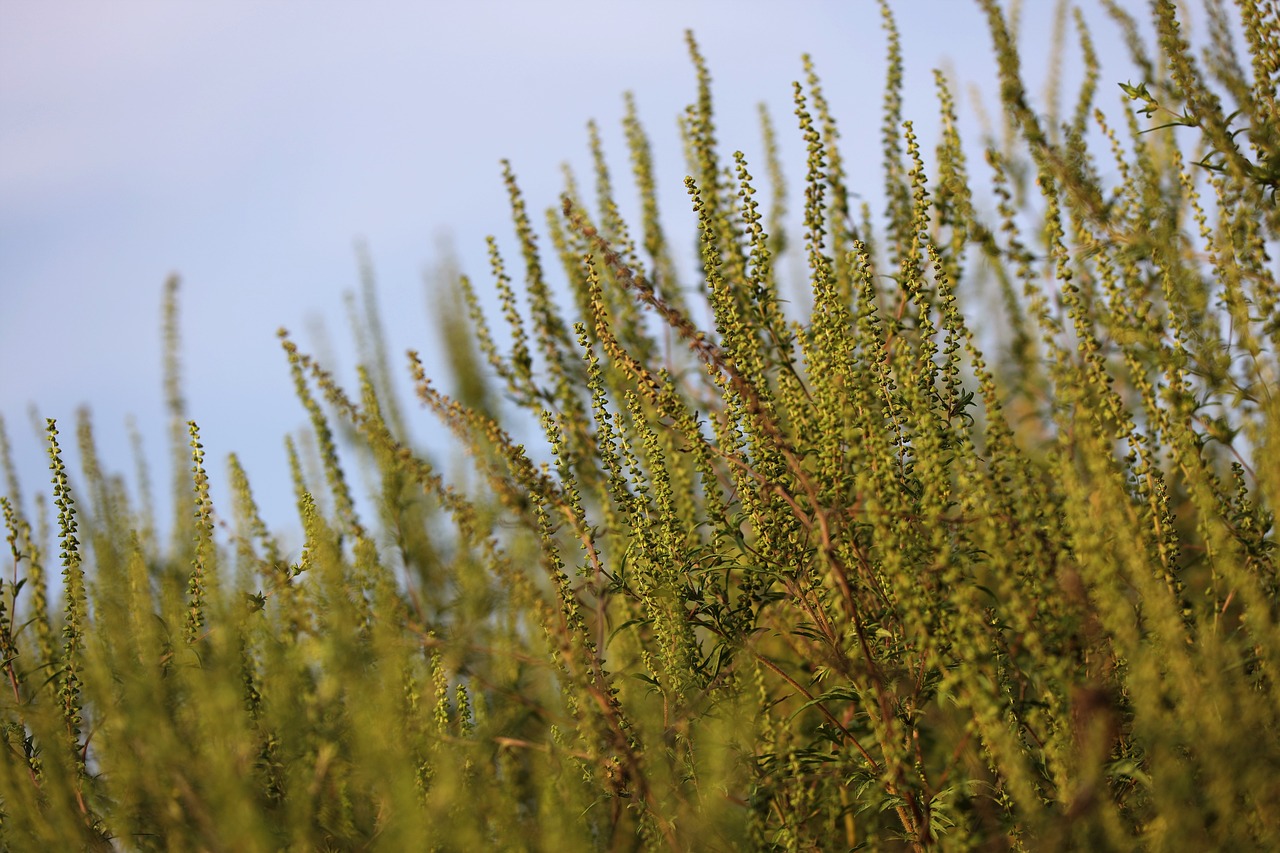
x=851, y=579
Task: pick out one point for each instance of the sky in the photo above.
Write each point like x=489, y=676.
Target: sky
x=247, y=146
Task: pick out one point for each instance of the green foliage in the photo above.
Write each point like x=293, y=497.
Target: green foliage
x=849, y=583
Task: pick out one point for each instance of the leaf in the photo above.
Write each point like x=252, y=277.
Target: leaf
x=624, y=626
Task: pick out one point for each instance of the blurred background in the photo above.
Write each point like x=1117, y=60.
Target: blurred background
x=249, y=146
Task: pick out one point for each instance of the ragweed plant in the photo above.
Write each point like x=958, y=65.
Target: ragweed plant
x=861, y=581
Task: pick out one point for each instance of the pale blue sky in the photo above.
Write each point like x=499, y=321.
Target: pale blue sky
x=246, y=145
